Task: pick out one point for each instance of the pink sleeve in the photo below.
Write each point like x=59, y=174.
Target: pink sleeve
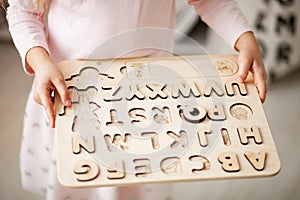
x=27, y=28
x=224, y=17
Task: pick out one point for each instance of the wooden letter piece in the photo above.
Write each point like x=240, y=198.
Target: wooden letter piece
x=192, y=114
x=202, y=137
x=200, y=163
x=257, y=160
x=114, y=119
x=217, y=113
x=212, y=86
x=241, y=86
x=86, y=170
x=135, y=93
x=185, y=90
x=156, y=90
x=113, y=94
x=254, y=133
x=229, y=161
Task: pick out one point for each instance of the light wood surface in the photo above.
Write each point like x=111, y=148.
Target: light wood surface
x=161, y=120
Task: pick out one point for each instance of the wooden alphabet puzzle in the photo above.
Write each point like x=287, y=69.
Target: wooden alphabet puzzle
x=168, y=119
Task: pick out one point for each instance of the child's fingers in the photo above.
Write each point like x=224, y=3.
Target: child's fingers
x=61, y=88
x=260, y=77
x=262, y=90
x=45, y=99
x=245, y=62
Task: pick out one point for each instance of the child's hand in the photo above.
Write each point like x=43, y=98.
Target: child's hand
x=250, y=59
x=48, y=78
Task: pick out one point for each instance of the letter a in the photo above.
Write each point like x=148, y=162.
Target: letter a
x=257, y=160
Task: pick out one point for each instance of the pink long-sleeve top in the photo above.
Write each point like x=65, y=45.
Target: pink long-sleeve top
x=79, y=29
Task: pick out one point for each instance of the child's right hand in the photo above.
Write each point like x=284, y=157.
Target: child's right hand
x=48, y=78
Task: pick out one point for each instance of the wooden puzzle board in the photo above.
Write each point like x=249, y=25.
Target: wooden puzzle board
x=165, y=119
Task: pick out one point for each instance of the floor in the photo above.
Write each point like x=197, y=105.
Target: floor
x=282, y=110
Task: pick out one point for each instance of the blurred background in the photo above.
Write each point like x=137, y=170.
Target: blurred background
x=276, y=24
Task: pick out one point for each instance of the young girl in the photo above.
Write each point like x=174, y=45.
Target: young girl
x=73, y=29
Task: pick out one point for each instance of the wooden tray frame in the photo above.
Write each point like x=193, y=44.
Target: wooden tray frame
x=230, y=133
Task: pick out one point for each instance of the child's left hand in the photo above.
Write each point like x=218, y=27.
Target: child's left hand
x=250, y=59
